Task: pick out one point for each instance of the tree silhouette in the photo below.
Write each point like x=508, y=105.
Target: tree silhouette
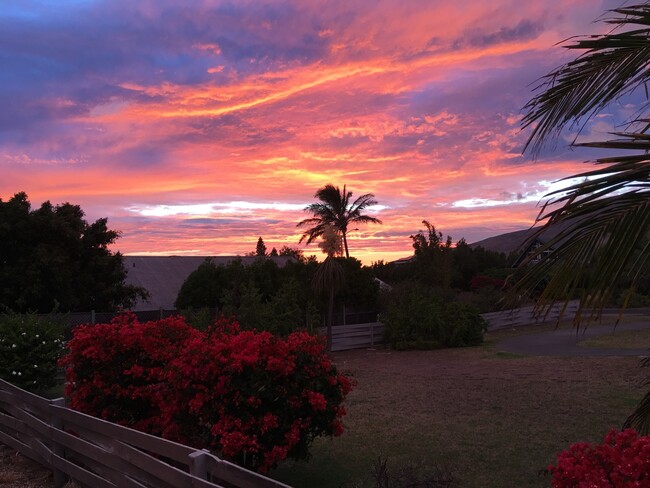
x=329, y=274
x=334, y=209
x=260, y=249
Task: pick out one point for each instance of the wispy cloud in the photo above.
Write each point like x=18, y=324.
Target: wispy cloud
x=199, y=126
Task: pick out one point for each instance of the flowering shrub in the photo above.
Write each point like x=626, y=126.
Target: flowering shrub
x=116, y=371
x=254, y=397
x=623, y=460
x=29, y=350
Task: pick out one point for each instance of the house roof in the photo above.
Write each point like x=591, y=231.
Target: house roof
x=163, y=276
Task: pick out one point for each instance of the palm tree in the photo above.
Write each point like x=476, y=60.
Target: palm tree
x=606, y=216
x=329, y=274
x=336, y=210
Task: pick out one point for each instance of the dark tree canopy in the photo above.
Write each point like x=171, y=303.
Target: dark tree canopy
x=265, y=296
x=52, y=258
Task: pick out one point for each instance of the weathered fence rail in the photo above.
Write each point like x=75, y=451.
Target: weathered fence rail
x=99, y=454
x=361, y=336
x=519, y=317
x=356, y=336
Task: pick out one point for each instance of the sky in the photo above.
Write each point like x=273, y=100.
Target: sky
x=196, y=127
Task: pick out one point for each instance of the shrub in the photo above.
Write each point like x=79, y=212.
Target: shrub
x=116, y=371
x=255, y=397
x=623, y=460
x=417, y=318
x=29, y=349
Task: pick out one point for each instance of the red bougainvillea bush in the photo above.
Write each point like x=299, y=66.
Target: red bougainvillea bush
x=253, y=397
x=623, y=460
x=117, y=371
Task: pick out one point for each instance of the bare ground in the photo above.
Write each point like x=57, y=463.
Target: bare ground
x=17, y=471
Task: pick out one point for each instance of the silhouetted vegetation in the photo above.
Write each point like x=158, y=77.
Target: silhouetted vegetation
x=336, y=210
x=52, y=258
x=280, y=299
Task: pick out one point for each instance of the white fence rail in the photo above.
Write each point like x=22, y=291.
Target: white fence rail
x=519, y=317
x=357, y=336
x=362, y=336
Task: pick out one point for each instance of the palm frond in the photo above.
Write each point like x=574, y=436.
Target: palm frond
x=334, y=209
x=598, y=247
x=611, y=66
x=328, y=275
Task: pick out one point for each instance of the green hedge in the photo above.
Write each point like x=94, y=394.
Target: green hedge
x=418, y=317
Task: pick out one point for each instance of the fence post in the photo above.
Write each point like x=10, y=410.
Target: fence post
x=92, y=317
x=372, y=335
x=60, y=478
x=198, y=464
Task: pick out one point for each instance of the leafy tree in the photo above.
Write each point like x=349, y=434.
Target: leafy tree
x=261, y=295
x=52, y=258
x=294, y=252
x=433, y=256
x=335, y=209
x=203, y=287
x=606, y=216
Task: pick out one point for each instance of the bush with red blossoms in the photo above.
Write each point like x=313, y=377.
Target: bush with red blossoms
x=253, y=397
x=117, y=371
x=623, y=460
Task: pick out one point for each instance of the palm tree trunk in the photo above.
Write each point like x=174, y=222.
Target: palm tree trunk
x=330, y=314
x=345, y=244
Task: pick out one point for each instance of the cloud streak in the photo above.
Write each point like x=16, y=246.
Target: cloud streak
x=198, y=126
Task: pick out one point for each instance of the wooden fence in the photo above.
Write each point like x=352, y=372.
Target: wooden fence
x=100, y=454
x=361, y=336
x=357, y=336
x=520, y=317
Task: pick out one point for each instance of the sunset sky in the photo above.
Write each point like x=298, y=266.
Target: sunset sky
x=198, y=126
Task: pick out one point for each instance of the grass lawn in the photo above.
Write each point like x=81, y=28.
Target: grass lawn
x=622, y=339
x=494, y=419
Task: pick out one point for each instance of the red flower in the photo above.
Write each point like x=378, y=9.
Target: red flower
x=253, y=397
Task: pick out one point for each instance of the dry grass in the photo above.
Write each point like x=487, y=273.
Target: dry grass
x=496, y=420
x=17, y=471
x=630, y=339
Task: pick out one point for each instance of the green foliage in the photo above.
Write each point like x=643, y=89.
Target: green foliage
x=416, y=317
x=53, y=258
x=203, y=287
x=29, y=350
x=437, y=263
x=265, y=296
